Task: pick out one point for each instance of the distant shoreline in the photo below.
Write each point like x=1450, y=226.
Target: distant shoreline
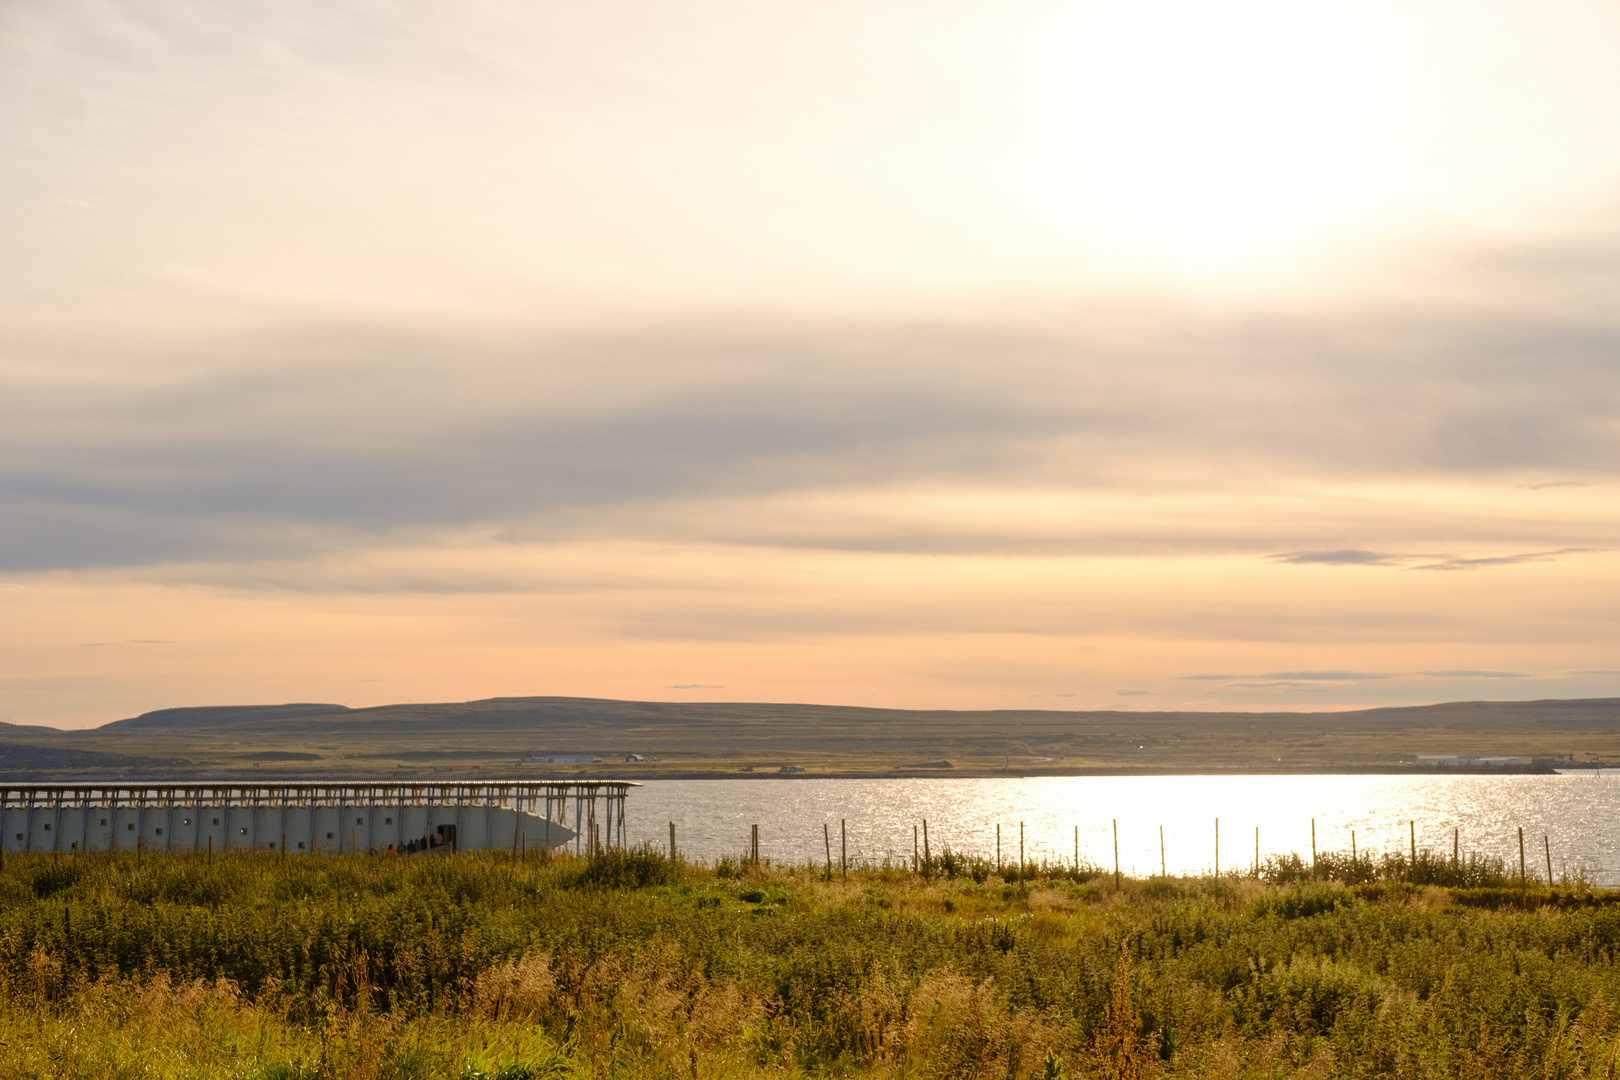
x=620, y=775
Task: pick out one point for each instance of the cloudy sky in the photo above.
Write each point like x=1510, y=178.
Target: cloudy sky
x=1162, y=354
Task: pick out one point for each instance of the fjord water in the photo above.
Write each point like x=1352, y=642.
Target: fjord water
x=1576, y=810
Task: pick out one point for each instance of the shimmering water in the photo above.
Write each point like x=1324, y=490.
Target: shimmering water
x=1577, y=811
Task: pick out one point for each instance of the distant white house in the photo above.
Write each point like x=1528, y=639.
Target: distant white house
x=1469, y=759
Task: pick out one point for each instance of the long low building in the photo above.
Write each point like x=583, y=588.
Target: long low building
x=329, y=818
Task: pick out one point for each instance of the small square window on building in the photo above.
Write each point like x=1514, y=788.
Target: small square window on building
x=244, y=832
x=102, y=821
x=187, y=821
x=300, y=845
x=216, y=821
x=130, y=826
x=388, y=821
x=47, y=828
x=329, y=836
x=359, y=821
x=160, y=832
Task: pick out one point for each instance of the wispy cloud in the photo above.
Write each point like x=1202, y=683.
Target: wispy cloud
x=1357, y=557
x=1131, y=692
x=1326, y=676
x=1500, y=560
x=697, y=686
x=1470, y=674
x=1339, y=557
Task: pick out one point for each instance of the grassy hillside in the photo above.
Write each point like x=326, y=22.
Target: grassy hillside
x=724, y=737
x=251, y=966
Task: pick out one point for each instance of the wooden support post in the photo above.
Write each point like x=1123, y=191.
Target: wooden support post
x=1456, y=845
x=672, y=839
x=1352, y=845
x=1521, y=856
x=927, y=858
x=1547, y=847
x=826, y=837
x=915, y=866
x=1412, y=825
x=1162, y=871
x=1116, y=853
x=998, y=847
x=283, y=846
x=1313, y=843
x=1020, y=851
x=1257, y=851
x=843, y=846
x=1217, y=847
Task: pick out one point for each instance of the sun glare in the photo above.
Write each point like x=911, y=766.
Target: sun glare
x=1195, y=131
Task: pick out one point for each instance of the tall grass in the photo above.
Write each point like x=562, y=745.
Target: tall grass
x=632, y=963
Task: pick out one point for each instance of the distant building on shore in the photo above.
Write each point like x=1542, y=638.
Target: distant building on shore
x=1470, y=759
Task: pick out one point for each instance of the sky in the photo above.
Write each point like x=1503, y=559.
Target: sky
x=1154, y=355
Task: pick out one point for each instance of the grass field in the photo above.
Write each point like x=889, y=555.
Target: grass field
x=632, y=964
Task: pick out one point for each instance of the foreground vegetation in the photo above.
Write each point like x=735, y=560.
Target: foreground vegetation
x=631, y=964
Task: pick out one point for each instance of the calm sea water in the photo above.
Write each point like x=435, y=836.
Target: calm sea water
x=1577, y=811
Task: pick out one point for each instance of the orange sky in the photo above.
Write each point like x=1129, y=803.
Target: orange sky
x=1148, y=355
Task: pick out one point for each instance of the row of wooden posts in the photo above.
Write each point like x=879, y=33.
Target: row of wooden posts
x=920, y=847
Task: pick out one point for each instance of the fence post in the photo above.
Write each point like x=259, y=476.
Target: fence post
x=1521, y=856
x=1217, y=847
x=826, y=837
x=927, y=858
x=1456, y=841
x=1413, y=826
x=998, y=847
x=1116, y=854
x=1257, y=852
x=672, y=839
x=1162, y=871
x=1547, y=847
x=1020, y=852
x=1313, y=843
x=843, y=845
x=915, y=866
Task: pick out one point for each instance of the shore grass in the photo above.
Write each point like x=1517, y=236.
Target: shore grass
x=633, y=964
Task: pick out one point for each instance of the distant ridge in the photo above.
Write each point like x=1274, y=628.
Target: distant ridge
x=505, y=713
x=531, y=736
x=207, y=716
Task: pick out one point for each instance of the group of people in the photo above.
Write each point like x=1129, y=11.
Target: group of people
x=413, y=847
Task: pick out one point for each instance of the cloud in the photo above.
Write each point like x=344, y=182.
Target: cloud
x=1325, y=676
x=1596, y=671
x=1555, y=484
x=1131, y=693
x=1468, y=674
x=1356, y=557
x=697, y=686
x=317, y=437
x=1500, y=560
x=1207, y=678
x=1338, y=557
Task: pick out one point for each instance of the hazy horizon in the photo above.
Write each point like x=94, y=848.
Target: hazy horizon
x=1153, y=355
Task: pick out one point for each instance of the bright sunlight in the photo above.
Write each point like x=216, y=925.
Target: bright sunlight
x=1217, y=132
